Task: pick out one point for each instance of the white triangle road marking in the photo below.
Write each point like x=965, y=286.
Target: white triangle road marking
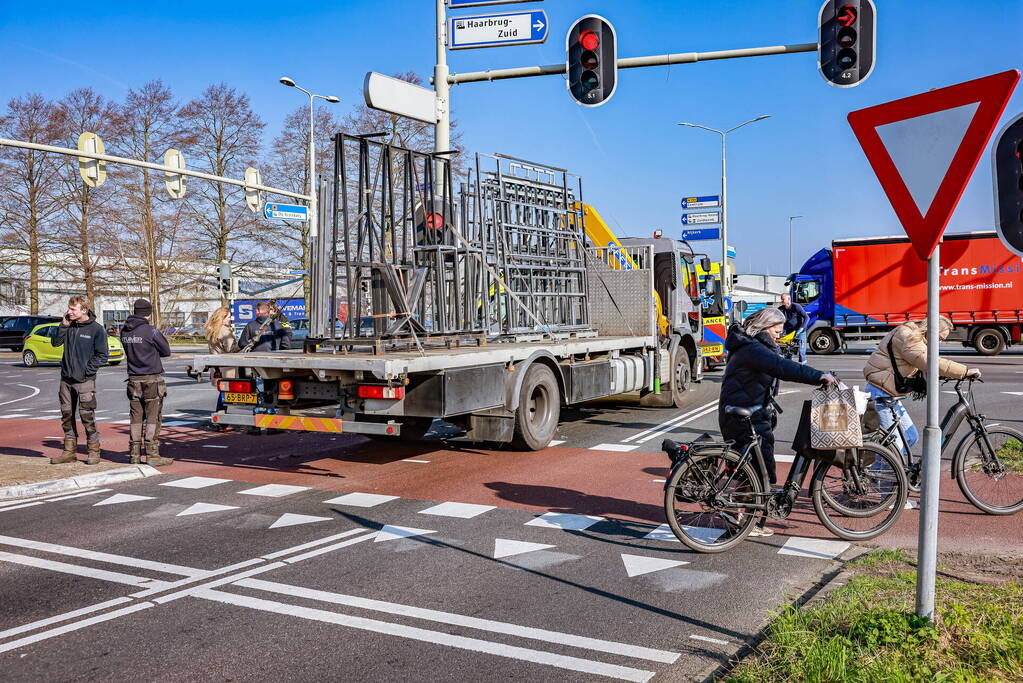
x=291, y=519
x=389, y=533
x=1013, y=393
x=637, y=565
x=506, y=548
x=203, y=508
x=121, y=498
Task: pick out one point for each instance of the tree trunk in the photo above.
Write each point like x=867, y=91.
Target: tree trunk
x=88, y=272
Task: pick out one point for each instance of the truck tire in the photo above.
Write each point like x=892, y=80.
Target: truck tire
x=823, y=342
x=989, y=342
x=536, y=419
x=682, y=376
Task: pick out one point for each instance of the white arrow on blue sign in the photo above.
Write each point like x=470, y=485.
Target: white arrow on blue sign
x=704, y=202
x=286, y=212
x=701, y=218
x=701, y=234
x=496, y=30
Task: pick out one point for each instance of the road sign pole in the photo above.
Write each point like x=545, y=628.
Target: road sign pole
x=442, y=131
x=312, y=176
x=927, y=547
x=725, y=280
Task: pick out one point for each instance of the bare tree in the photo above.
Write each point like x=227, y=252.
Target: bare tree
x=147, y=126
x=28, y=202
x=82, y=228
x=227, y=138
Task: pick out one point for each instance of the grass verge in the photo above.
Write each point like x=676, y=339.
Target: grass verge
x=866, y=630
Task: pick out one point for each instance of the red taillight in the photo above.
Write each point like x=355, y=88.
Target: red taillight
x=235, y=386
x=381, y=391
x=286, y=389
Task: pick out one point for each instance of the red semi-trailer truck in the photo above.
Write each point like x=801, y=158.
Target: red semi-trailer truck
x=860, y=288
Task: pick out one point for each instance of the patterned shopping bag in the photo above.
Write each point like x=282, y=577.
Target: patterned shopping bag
x=834, y=420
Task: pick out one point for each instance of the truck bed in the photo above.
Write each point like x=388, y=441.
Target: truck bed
x=392, y=364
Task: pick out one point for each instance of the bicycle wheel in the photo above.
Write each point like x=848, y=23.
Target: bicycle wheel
x=992, y=479
x=912, y=469
x=704, y=501
x=863, y=499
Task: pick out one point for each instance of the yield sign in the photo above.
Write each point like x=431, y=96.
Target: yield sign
x=924, y=149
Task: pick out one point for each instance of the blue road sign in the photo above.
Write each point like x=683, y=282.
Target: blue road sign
x=731, y=252
x=455, y=4
x=496, y=30
x=726, y=302
x=286, y=212
x=701, y=202
x=245, y=311
x=691, y=234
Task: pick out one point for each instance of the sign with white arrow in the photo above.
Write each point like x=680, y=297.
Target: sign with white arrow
x=701, y=218
x=286, y=212
x=497, y=30
x=704, y=202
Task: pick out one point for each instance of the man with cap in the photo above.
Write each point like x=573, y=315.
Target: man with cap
x=144, y=346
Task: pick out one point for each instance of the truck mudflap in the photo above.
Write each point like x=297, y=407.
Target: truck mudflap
x=300, y=423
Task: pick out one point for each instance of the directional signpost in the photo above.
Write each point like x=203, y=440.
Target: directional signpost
x=701, y=234
x=704, y=202
x=286, y=212
x=497, y=30
x=923, y=150
x=701, y=218
x=456, y=4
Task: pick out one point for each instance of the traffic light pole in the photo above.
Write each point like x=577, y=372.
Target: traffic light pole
x=442, y=85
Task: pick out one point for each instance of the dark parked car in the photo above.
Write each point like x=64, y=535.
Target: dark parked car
x=14, y=328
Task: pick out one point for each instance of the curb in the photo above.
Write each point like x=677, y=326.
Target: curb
x=80, y=482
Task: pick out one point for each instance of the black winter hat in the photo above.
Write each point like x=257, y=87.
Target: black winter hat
x=142, y=307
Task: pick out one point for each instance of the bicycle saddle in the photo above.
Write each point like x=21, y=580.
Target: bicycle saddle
x=738, y=411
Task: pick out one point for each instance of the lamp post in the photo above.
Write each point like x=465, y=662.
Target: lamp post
x=313, y=217
x=725, y=280
x=791, y=218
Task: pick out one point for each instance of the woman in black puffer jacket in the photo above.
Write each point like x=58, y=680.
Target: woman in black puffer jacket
x=755, y=365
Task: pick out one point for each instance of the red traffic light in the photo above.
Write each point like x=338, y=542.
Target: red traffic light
x=434, y=221
x=846, y=15
x=589, y=40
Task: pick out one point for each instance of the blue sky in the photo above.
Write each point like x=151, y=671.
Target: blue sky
x=635, y=162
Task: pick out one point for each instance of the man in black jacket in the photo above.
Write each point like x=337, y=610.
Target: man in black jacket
x=268, y=332
x=85, y=351
x=795, y=321
x=144, y=346
x=755, y=366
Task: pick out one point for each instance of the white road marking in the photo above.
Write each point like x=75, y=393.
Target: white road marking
x=218, y=582
x=51, y=496
x=564, y=520
x=292, y=519
x=203, y=508
x=23, y=505
x=460, y=510
x=436, y=637
x=199, y=577
x=60, y=630
x=671, y=421
x=617, y=447
x=784, y=457
x=11, y=417
x=1013, y=393
x=313, y=544
x=506, y=548
x=79, y=495
x=716, y=641
x=361, y=500
x=466, y=621
x=662, y=533
x=813, y=547
x=274, y=490
x=389, y=533
x=556, y=442
x=62, y=617
x=333, y=546
x=659, y=481
x=637, y=565
x=35, y=392
x=100, y=557
x=121, y=498
x=65, y=568
x=195, y=482
x=675, y=426
x=422, y=462
x=210, y=445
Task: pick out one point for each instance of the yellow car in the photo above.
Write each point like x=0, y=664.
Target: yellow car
x=38, y=349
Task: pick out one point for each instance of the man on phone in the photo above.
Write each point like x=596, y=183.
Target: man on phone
x=85, y=351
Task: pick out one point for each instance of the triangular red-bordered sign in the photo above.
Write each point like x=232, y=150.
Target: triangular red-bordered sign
x=991, y=94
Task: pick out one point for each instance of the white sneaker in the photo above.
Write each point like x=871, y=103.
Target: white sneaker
x=761, y=531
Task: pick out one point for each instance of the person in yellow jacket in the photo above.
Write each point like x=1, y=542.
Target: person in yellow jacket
x=909, y=346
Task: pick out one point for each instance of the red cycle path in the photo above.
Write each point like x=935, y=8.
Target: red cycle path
x=559, y=479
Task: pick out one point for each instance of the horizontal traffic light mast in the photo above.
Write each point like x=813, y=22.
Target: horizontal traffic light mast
x=632, y=62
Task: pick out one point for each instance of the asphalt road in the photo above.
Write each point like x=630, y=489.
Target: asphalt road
x=292, y=557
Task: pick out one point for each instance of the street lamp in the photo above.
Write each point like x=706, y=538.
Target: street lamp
x=725, y=280
x=791, y=218
x=313, y=217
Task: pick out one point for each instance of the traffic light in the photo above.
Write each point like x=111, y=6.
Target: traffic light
x=847, y=41
x=224, y=277
x=592, y=64
x=1007, y=159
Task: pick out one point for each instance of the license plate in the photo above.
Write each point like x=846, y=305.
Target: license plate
x=231, y=397
x=712, y=349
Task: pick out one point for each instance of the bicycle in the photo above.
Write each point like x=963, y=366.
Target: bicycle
x=987, y=455
x=713, y=495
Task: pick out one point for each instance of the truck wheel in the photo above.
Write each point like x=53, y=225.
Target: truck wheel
x=536, y=418
x=682, y=377
x=823, y=342
x=989, y=342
